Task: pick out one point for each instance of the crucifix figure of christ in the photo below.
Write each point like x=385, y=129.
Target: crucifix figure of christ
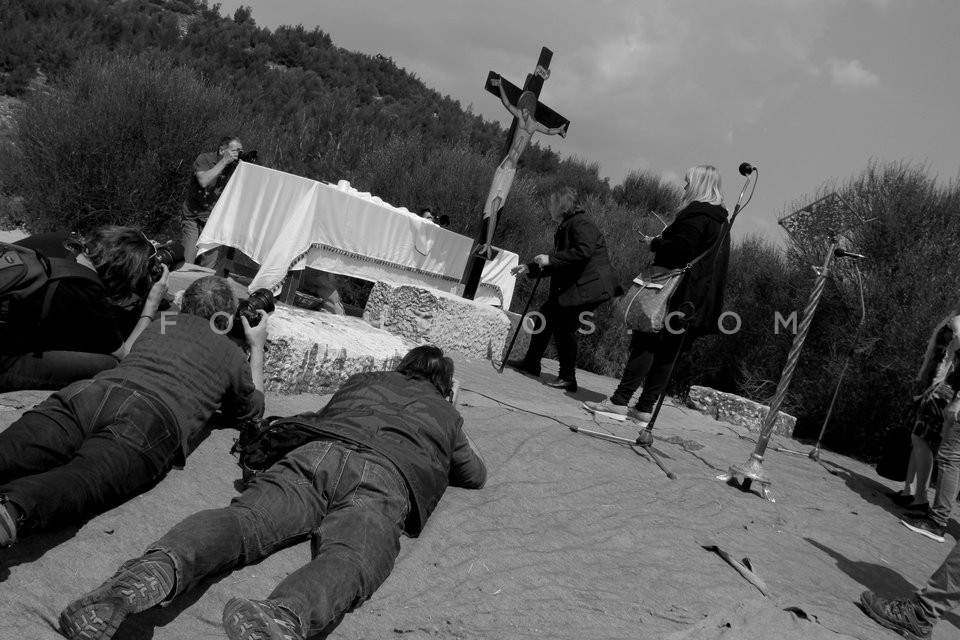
x=529, y=117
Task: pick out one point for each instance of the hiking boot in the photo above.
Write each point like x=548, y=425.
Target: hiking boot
x=925, y=526
x=902, y=616
x=524, y=367
x=606, y=406
x=260, y=620
x=138, y=585
x=642, y=418
x=9, y=522
x=645, y=439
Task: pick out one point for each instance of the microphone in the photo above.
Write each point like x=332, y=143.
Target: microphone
x=746, y=168
x=840, y=253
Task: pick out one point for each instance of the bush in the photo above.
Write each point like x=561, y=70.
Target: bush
x=114, y=142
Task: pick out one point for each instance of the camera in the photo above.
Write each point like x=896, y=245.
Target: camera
x=261, y=299
x=169, y=254
x=247, y=156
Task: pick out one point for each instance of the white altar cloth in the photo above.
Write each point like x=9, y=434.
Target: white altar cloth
x=286, y=222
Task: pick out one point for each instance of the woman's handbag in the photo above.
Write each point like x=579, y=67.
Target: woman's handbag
x=645, y=305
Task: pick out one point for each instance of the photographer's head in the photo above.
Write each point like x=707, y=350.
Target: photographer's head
x=210, y=297
x=228, y=144
x=121, y=257
x=429, y=363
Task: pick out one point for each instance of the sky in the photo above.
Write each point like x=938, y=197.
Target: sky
x=808, y=91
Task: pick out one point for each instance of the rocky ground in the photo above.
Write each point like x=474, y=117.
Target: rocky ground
x=574, y=537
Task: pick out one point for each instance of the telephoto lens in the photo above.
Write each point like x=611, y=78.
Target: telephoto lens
x=261, y=299
x=170, y=254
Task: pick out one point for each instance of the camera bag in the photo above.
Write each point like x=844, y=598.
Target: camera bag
x=263, y=442
x=25, y=272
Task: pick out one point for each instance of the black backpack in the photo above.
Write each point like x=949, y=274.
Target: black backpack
x=25, y=273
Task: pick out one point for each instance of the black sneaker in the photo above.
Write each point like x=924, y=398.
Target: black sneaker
x=901, y=616
x=260, y=620
x=563, y=385
x=138, y=585
x=925, y=526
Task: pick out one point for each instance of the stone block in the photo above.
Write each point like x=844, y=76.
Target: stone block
x=429, y=316
x=315, y=352
x=727, y=407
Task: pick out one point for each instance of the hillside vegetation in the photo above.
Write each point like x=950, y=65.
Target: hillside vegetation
x=113, y=99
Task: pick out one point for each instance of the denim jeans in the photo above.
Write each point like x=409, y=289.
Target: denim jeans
x=942, y=591
x=352, y=500
x=86, y=448
x=948, y=460
x=52, y=370
x=192, y=223
x=649, y=364
x=562, y=323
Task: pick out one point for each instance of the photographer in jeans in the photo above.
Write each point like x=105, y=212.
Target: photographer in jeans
x=79, y=331
x=211, y=171
x=99, y=442
x=375, y=462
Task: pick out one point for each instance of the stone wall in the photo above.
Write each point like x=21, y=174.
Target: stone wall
x=727, y=407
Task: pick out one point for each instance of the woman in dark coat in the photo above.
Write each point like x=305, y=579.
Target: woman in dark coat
x=700, y=223
x=580, y=280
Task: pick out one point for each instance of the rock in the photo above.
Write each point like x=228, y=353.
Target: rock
x=311, y=351
x=429, y=316
x=727, y=407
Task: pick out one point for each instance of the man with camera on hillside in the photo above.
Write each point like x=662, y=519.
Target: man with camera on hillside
x=99, y=442
x=211, y=171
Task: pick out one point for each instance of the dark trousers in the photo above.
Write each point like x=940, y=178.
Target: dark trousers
x=353, y=501
x=84, y=449
x=562, y=324
x=51, y=370
x=649, y=364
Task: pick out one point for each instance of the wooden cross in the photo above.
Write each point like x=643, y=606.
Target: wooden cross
x=530, y=116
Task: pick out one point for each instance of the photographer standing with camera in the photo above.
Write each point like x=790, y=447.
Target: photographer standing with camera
x=211, y=171
x=99, y=442
x=72, y=325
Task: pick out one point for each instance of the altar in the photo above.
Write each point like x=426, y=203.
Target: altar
x=286, y=223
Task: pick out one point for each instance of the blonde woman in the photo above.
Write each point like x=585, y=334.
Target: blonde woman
x=698, y=227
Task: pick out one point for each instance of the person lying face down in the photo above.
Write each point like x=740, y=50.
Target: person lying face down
x=97, y=443
x=376, y=462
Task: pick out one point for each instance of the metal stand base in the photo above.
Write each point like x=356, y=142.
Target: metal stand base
x=647, y=448
x=751, y=471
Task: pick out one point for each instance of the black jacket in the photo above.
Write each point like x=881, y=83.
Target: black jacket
x=409, y=423
x=579, y=269
x=694, y=231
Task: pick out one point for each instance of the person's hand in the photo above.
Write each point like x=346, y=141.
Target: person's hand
x=455, y=392
x=520, y=270
x=542, y=260
x=563, y=130
x=230, y=155
x=645, y=239
x=256, y=336
x=157, y=291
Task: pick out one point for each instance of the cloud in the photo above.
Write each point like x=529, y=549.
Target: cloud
x=851, y=75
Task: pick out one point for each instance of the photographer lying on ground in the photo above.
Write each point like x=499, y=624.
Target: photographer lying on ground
x=69, y=328
x=99, y=442
x=373, y=462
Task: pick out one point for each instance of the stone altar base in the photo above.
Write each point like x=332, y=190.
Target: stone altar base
x=727, y=407
x=311, y=351
x=430, y=316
